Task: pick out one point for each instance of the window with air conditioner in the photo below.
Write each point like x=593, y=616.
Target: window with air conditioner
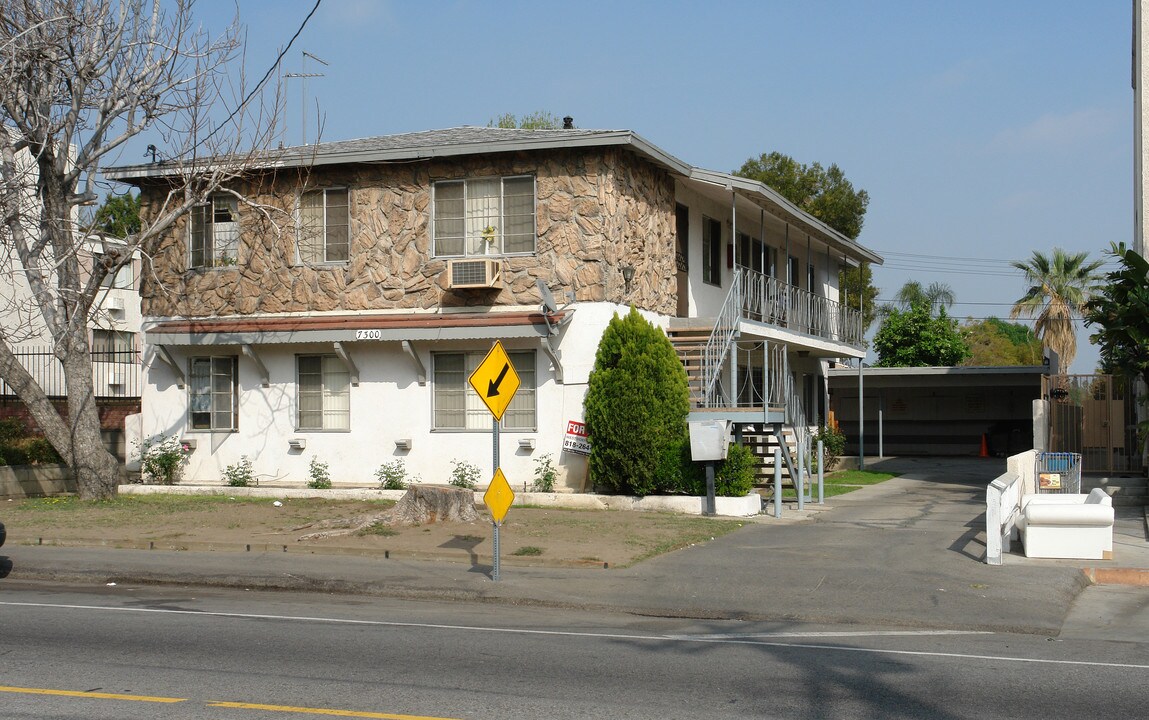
x=483, y=217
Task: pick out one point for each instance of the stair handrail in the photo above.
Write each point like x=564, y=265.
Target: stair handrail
x=720, y=340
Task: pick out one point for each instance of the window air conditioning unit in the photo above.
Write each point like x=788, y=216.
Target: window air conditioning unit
x=115, y=302
x=115, y=378
x=463, y=274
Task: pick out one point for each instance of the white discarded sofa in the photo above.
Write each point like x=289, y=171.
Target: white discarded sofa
x=1075, y=526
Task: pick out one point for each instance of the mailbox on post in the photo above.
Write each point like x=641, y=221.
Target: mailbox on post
x=709, y=441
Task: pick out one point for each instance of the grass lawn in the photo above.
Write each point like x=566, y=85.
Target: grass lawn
x=841, y=482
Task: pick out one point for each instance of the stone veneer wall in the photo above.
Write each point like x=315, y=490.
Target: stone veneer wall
x=597, y=210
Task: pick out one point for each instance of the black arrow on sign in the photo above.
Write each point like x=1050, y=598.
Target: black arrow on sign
x=493, y=385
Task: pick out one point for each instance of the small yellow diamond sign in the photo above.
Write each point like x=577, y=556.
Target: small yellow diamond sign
x=499, y=497
x=495, y=380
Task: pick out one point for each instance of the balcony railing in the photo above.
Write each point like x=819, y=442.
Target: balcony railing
x=115, y=374
x=769, y=300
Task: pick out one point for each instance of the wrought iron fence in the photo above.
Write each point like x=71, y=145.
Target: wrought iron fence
x=115, y=374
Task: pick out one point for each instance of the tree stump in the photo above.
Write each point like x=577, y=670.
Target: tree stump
x=434, y=503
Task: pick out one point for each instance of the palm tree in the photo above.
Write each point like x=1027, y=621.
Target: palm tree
x=937, y=296
x=1059, y=285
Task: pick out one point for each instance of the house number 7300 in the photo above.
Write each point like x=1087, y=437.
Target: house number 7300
x=368, y=334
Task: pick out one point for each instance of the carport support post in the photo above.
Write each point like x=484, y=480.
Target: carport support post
x=821, y=475
x=861, y=417
x=800, y=483
x=777, y=482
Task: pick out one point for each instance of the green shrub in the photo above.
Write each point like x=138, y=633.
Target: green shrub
x=636, y=405
x=392, y=475
x=464, y=474
x=545, y=474
x=11, y=429
x=833, y=445
x=320, y=477
x=734, y=476
x=677, y=473
x=239, y=474
x=17, y=447
x=163, y=459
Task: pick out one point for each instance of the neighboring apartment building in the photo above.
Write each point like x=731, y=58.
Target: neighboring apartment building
x=333, y=303
x=114, y=324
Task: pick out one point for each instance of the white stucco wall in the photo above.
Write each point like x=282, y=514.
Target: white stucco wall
x=388, y=404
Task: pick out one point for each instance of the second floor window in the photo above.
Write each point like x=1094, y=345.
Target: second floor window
x=214, y=238
x=323, y=226
x=116, y=346
x=711, y=251
x=488, y=216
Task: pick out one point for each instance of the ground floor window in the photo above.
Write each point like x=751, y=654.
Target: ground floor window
x=324, y=393
x=212, y=393
x=458, y=407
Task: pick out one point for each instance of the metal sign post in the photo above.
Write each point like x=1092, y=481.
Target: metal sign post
x=496, y=382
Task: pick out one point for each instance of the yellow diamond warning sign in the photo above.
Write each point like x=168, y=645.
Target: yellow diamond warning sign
x=499, y=497
x=495, y=380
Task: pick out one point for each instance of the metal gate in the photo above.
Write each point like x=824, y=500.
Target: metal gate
x=1095, y=415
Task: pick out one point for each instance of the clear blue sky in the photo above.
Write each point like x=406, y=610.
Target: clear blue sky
x=982, y=130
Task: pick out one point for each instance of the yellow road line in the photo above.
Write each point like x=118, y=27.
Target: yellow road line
x=80, y=693
x=321, y=711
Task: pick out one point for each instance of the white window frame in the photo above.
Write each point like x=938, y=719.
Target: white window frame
x=480, y=235
x=333, y=394
x=214, y=240
x=323, y=242
x=220, y=402
x=452, y=385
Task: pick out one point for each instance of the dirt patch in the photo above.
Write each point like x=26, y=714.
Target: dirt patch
x=528, y=536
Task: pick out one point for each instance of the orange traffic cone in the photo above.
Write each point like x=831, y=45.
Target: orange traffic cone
x=984, y=447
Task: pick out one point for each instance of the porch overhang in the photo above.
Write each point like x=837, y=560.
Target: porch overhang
x=801, y=342
x=349, y=329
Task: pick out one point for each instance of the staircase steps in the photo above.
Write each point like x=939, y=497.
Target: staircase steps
x=1130, y=490
x=689, y=343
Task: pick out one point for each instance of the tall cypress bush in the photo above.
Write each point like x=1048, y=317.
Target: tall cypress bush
x=636, y=406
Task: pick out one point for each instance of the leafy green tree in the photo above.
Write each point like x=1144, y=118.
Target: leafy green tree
x=994, y=343
x=917, y=338
x=825, y=193
x=538, y=120
x=1120, y=310
x=1059, y=285
x=853, y=282
x=119, y=216
x=636, y=405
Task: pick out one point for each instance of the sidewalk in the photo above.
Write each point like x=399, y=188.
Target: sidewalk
x=908, y=553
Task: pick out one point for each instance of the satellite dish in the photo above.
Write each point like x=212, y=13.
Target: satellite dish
x=550, y=307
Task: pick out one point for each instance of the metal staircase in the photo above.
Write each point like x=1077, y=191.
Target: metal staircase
x=705, y=353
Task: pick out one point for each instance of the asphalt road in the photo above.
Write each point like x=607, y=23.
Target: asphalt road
x=142, y=652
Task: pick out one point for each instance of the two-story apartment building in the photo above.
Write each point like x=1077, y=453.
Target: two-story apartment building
x=333, y=302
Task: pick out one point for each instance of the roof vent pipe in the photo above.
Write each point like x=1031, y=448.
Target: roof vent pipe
x=568, y=123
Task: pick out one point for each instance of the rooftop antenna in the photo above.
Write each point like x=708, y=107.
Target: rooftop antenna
x=303, y=74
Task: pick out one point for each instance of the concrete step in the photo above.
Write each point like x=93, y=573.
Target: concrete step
x=1126, y=490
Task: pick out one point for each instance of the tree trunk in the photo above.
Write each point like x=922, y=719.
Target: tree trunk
x=434, y=503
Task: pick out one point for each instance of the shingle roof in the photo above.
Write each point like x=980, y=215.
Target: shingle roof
x=428, y=144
